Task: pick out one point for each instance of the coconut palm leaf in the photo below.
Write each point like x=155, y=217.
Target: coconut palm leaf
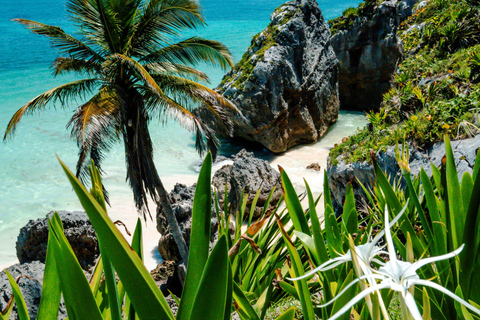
x=176, y=68
x=193, y=51
x=67, y=44
x=61, y=93
x=63, y=65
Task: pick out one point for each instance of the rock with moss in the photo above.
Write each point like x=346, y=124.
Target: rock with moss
x=341, y=173
x=368, y=50
x=286, y=83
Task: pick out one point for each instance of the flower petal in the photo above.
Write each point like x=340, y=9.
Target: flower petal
x=422, y=262
x=357, y=298
x=412, y=306
x=448, y=293
x=330, y=264
x=381, y=233
x=368, y=276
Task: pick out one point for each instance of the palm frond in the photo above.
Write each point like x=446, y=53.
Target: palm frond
x=205, y=139
x=136, y=70
x=63, y=65
x=94, y=126
x=193, y=51
x=63, y=93
x=162, y=19
x=176, y=68
x=67, y=44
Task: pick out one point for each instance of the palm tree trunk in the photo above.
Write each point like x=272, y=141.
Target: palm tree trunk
x=141, y=172
x=164, y=201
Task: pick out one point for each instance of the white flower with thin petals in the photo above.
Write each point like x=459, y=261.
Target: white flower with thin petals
x=400, y=276
x=366, y=254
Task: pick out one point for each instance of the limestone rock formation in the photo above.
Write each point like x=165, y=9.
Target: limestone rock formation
x=250, y=174
x=339, y=175
x=32, y=241
x=368, y=52
x=286, y=83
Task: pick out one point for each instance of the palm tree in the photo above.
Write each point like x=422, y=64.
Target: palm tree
x=132, y=70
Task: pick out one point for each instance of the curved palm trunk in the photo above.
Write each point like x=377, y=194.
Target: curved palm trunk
x=141, y=171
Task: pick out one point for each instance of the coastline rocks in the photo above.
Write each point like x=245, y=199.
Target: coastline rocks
x=368, y=53
x=250, y=174
x=285, y=86
x=32, y=241
x=181, y=198
x=339, y=175
x=30, y=284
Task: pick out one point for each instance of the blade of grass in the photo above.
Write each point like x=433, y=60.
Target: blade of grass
x=199, y=239
x=294, y=207
x=19, y=301
x=147, y=299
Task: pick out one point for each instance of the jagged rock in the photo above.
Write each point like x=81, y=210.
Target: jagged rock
x=368, y=53
x=181, y=198
x=30, y=284
x=32, y=241
x=286, y=83
x=314, y=166
x=250, y=174
x=339, y=175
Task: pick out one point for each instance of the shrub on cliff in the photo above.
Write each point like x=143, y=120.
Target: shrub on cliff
x=434, y=90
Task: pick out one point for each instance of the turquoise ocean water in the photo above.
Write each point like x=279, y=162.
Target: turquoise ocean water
x=31, y=181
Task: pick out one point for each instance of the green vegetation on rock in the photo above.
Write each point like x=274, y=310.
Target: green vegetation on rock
x=349, y=15
x=261, y=42
x=435, y=90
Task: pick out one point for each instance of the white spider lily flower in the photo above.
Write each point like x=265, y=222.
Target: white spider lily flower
x=366, y=254
x=400, y=276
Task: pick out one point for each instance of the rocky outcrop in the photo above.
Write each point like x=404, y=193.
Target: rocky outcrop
x=245, y=173
x=181, y=198
x=339, y=175
x=30, y=279
x=249, y=174
x=32, y=241
x=368, y=52
x=286, y=83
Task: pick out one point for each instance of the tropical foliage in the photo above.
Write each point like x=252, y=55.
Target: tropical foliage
x=435, y=89
x=130, y=70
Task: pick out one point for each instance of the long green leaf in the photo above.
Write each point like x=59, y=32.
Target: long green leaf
x=76, y=291
x=147, y=299
x=199, y=239
x=19, y=301
x=326, y=191
x=243, y=303
x=211, y=298
x=456, y=215
x=293, y=205
x=334, y=239
x=316, y=228
x=50, y=302
x=349, y=217
x=289, y=314
x=297, y=271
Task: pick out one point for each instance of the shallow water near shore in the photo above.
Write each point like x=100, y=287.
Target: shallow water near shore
x=31, y=181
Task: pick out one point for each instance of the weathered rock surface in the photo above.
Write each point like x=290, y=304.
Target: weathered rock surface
x=181, y=198
x=286, y=83
x=250, y=174
x=339, y=175
x=30, y=284
x=368, y=53
x=32, y=241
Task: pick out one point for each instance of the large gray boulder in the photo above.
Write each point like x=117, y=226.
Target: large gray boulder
x=30, y=279
x=249, y=174
x=32, y=241
x=368, y=52
x=285, y=86
x=339, y=175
